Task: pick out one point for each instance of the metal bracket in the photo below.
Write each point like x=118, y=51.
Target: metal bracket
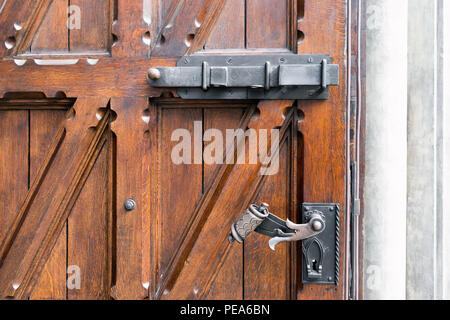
x=259, y=77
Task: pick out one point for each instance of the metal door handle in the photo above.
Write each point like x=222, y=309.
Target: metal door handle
x=259, y=219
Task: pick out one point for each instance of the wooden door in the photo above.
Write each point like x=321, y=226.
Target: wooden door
x=81, y=132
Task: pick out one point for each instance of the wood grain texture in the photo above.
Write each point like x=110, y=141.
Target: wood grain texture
x=229, y=30
x=53, y=34
x=228, y=282
x=181, y=185
x=24, y=37
x=47, y=204
x=109, y=77
x=267, y=24
x=263, y=280
x=183, y=25
x=129, y=29
x=88, y=234
x=94, y=34
x=187, y=280
x=14, y=12
x=131, y=255
x=44, y=124
x=174, y=244
x=13, y=165
x=324, y=127
x=206, y=19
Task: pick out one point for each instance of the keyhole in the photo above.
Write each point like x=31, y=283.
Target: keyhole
x=314, y=265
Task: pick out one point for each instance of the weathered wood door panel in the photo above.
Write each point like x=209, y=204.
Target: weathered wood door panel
x=82, y=132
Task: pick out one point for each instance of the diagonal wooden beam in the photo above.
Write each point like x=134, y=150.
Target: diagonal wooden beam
x=13, y=16
x=224, y=200
x=25, y=36
x=209, y=19
x=48, y=203
x=187, y=25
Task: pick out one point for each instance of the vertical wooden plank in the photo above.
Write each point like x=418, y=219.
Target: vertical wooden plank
x=132, y=251
x=325, y=126
x=266, y=272
x=229, y=31
x=228, y=282
x=52, y=36
x=207, y=244
x=87, y=242
x=181, y=185
x=267, y=24
x=13, y=165
x=95, y=32
x=43, y=127
x=130, y=29
x=41, y=218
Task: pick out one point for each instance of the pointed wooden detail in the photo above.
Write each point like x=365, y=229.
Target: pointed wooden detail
x=13, y=17
x=226, y=198
x=187, y=25
x=207, y=20
x=130, y=30
x=50, y=198
x=133, y=227
x=25, y=36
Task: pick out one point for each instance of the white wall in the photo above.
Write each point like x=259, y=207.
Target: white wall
x=446, y=151
x=407, y=191
x=386, y=150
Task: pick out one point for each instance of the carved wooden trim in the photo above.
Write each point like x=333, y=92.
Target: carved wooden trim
x=230, y=181
x=49, y=201
x=207, y=25
x=133, y=228
x=25, y=36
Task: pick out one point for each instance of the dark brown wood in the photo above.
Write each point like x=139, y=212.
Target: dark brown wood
x=44, y=124
x=53, y=34
x=13, y=165
x=94, y=34
x=132, y=273
x=262, y=20
x=50, y=198
x=66, y=174
x=228, y=194
x=225, y=35
x=324, y=178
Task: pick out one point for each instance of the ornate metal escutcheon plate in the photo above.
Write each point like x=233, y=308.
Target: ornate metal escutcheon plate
x=320, y=261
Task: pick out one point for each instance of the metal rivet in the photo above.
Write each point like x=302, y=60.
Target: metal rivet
x=129, y=205
x=229, y=61
x=154, y=74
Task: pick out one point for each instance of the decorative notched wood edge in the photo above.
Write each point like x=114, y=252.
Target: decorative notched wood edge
x=24, y=37
x=271, y=115
x=251, y=198
x=206, y=26
x=86, y=163
x=26, y=34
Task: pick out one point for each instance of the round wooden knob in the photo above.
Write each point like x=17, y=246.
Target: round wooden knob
x=154, y=74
